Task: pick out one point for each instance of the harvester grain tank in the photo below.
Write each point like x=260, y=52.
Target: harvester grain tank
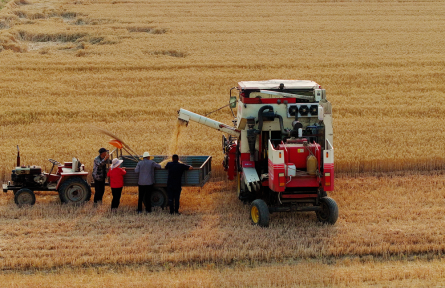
x=280, y=150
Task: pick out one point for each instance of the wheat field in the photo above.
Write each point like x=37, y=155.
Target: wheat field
x=128, y=66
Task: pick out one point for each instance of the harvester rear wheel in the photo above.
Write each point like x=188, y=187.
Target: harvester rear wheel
x=75, y=190
x=24, y=197
x=329, y=211
x=159, y=197
x=259, y=213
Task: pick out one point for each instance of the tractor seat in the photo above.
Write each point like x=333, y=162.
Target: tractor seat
x=67, y=170
x=75, y=167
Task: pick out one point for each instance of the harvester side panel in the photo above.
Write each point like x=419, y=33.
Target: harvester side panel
x=276, y=169
x=327, y=120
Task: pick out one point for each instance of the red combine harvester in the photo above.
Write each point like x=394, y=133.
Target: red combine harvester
x=281, y=148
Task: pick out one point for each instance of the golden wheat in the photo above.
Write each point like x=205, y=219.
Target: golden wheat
x=380, y=64
x=128, y=66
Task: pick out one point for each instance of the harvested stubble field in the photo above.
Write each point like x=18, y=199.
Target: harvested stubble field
x=213, y=244
x=128, y=66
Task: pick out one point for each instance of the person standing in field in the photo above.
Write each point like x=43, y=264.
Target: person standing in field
x=146, y=170
x=99, y=174
x=116, y=175
x=174, y=185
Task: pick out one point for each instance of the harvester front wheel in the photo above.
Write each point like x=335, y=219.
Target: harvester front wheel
x=329, y=211
x=259, y=213
x=159, y=197
x=24, y=197
x=75, y=190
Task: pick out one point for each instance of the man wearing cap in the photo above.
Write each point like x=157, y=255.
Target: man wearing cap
x=99, y=174
x=146, y=169
x=116, y=175
x=175, y=170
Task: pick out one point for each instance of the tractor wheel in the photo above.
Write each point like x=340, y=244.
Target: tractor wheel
x=24, y=197
x=75, y=190
x=259, y=213
x=159, y=197
x=329, y=211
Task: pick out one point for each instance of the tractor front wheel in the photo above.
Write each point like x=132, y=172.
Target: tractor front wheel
x=74, y=190
x=24, y=197
x=329, y=211
x=259, y=213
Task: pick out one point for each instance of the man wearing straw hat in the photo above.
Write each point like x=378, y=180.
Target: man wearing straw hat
x=146, y=169
x=116, y=175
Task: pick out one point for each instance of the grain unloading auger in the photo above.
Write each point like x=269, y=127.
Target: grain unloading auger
x=250, y=179
x=280, y=148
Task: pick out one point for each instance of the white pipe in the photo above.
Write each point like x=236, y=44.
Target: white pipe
x=187, y=116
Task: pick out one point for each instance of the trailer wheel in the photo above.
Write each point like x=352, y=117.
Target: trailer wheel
x=329, y=211
x=24, y=197
x=75, y=190
x=159, y=197
x=259, y=213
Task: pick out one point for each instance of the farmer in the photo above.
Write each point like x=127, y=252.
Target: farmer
x=116, y=175
x=146, y=169
x=99, y=174
x=175, y=170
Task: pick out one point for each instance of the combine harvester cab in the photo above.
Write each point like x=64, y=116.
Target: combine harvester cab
x=281, y=149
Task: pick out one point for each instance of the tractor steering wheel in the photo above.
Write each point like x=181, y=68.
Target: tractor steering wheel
x=54, y=162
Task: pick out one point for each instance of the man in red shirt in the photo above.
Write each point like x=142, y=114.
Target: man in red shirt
x=116, y=175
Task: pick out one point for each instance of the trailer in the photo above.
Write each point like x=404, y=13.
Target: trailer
x=197, y=177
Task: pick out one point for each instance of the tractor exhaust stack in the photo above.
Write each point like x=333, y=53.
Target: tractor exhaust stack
x=18, y=156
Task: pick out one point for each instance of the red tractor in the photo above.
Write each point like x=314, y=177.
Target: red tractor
x=69, y=180
x=281, y=148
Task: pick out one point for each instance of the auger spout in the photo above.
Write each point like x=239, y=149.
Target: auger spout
x=187, y=116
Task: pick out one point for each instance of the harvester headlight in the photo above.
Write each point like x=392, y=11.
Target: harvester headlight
x=282, y=179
